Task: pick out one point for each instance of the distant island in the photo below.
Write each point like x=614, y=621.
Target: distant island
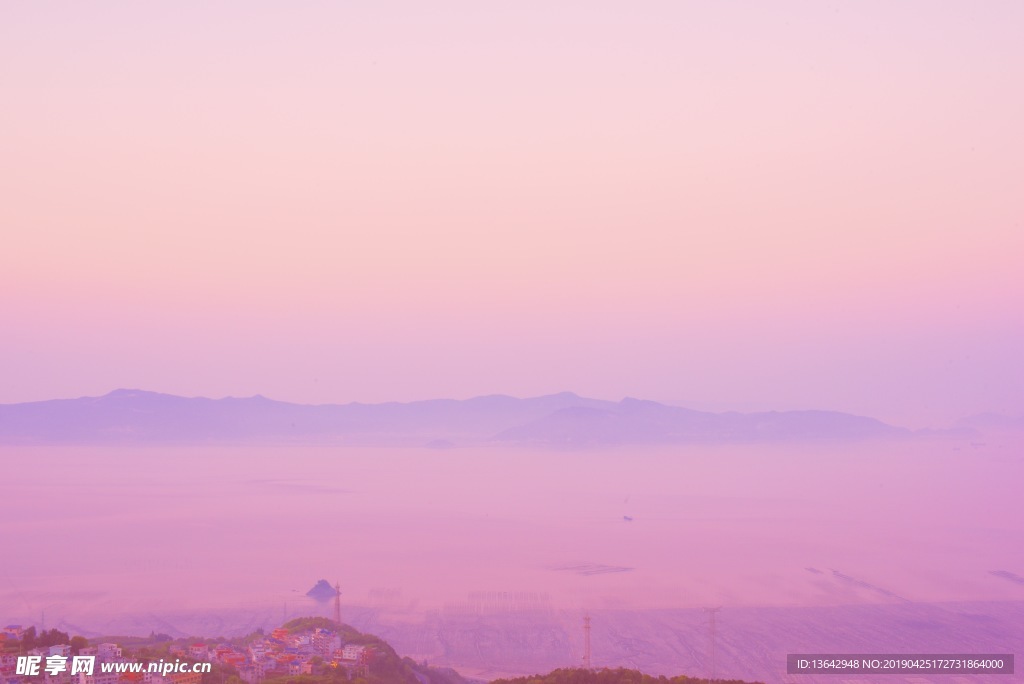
x=322, y=591
x=563, y=420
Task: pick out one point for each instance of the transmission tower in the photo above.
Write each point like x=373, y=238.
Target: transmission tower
x=586, y=642
x=711, y=628
x=337, y=602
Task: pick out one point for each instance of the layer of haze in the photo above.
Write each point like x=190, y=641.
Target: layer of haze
x=794, y=205
x=154, y=530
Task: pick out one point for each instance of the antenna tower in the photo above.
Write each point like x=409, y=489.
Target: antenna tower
x=711, y=628
x=337, y=602
x=586, y=642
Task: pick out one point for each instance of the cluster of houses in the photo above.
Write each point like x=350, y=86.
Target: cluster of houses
x=61, y=653
x=283, y=653
x=279, y=654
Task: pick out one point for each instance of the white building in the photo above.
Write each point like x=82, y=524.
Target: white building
x=352, y=652
x=257, y=650
x=325, y=642
x=108, y=653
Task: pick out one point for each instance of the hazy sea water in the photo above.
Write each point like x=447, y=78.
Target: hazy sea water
x=738, y=525
x=224, y=539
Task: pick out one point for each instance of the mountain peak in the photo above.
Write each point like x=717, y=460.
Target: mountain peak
x=125, y=392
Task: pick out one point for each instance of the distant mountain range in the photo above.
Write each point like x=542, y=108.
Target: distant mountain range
x=565, y=419
x=990, y=422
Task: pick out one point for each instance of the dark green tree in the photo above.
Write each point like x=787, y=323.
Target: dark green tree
x=77, y=644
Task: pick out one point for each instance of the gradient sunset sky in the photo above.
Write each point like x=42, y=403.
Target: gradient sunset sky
x=721, y=204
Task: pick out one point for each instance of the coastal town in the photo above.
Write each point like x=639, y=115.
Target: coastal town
x=306, y=646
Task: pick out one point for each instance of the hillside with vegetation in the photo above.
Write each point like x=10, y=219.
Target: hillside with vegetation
x=607, y=676
x=386, y=666
x=308, y=650
x=232, y=659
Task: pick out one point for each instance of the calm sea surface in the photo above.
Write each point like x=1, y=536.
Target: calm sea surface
x=91, y=531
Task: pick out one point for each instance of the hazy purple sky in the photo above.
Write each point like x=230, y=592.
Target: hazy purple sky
x=782, y=205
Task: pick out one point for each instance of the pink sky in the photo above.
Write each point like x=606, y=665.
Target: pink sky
x=812, y=205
